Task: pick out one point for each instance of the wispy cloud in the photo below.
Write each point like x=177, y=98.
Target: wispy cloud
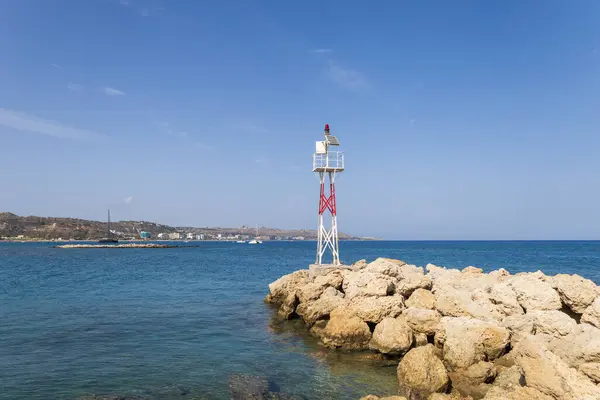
x=29, y=123
x=57, y=66
x=112, y=91
x=413, y=121
x=169, y=130
x=128, y=199
x=261, y=160
x=346, y=77
x=321, y=51
x=75, y=86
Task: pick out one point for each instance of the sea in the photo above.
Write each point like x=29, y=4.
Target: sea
x=182, y=323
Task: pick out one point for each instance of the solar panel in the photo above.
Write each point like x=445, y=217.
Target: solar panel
x=332, y=140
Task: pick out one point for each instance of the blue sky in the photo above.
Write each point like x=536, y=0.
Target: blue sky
x=459, y=120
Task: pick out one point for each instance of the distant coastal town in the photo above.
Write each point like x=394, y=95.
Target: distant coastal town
x=34, y=228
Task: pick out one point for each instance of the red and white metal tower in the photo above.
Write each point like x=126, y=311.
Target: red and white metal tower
x=327, y=164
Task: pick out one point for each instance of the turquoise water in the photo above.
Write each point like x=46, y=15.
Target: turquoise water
x=177, y=323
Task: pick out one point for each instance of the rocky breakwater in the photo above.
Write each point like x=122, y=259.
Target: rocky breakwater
x=456, y=334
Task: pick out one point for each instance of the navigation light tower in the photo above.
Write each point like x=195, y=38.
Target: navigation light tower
x=327, y=164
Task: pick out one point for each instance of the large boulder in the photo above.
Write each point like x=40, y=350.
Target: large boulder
x=519, y=323
x=385, y=266
x=319, y=309
x=533, y=293
x=360, y=264
x=421, y=373
x=452, y=279
x=422, y=320
x=420, y=339
x=313, y=290
x=510, y=378
x=580, y=346
x=591, y=315
x=452, y=302
x=310, y=292
x=472, y=270
x=467, y=282
x=591, y=370
x=481, y=372
x=553, y=322
x=475, y=380
x=281, y=288
x=550, y=375
x=360, y=283
x=500, y=274
x=519, y=393
x=411, y=278
x=466, y=341
x=407, y=278
x=375, y=309
x=333, y=279
x=344, y=330
x=392, y=336
x=537, y=275
x=575, y=292
x=288, y=308
x=332, y=292
x=505, y=299
x=441, y=274
x=421, y=298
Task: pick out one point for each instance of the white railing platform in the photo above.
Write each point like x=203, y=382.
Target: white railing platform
x=332, y=161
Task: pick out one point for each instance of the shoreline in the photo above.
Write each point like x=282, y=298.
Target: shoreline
x=121, y=246
x=455, y=334
x=181, y=240
x=432, y=241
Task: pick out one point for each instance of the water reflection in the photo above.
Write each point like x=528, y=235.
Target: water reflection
x=366, y=368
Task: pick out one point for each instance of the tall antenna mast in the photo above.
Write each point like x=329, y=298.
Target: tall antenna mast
x=326, y=165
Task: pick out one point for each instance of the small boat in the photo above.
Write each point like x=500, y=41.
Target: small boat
x=255, y=240
x=241, y=241
x=108, y=238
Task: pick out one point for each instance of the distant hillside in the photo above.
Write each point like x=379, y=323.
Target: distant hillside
x=262, y=231
x=12, y=225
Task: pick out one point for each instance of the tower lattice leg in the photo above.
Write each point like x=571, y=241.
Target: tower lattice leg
x=328, y=238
